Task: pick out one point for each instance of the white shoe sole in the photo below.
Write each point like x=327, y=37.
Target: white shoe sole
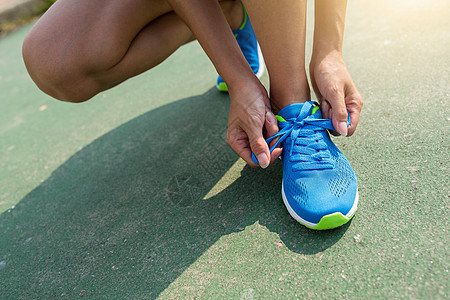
x=310, y=224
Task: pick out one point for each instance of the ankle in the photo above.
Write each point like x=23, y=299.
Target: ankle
x=280, y=98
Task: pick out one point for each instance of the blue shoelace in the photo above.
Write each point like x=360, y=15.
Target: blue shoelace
x=308, y=150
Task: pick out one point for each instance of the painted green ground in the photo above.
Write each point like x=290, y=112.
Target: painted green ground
x=136, y=195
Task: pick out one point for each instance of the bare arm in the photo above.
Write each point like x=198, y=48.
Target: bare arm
x=249, y=101
x=209, y=25
x=330, y=78
x=329, y=22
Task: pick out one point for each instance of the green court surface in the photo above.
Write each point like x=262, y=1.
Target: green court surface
x=135, y=194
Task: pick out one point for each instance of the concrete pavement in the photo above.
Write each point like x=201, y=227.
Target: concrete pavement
x=135, y=194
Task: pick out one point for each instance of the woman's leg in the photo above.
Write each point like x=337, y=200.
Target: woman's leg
x=80, y=48
x=280, y=29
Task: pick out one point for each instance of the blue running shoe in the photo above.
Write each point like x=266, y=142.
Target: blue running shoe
x=319, y=186
x=246, y=39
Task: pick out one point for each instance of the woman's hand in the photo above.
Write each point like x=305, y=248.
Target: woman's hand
x=335, y=91
x=250, y=121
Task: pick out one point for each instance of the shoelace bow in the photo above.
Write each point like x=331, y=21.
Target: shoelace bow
x=307, y=144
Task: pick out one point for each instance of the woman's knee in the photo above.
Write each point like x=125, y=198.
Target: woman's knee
x=51, y=74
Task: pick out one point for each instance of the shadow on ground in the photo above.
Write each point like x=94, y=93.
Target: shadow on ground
x=127, y=214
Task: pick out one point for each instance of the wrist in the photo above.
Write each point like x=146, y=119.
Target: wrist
x=321, y=55
x=244, y=82
x=321, y=52
x=247, y=94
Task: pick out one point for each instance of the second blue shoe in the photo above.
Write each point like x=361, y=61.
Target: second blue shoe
x=246, y=39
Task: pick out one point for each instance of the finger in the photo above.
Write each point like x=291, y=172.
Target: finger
x=333, y=132
x=339, y=112
x=246, y=154
x=327, y=113
x=354, y=107
x=325, y=108
x=261, y=150
x=237, y=139
x=275, y=154
x=354, y=119
x=271, y=126
x=259, y=146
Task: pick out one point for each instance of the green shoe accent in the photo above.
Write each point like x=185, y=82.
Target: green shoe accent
x=245, y=17
x=331, y=221
x=222, y=87
x=314, y=110
x=280, y=118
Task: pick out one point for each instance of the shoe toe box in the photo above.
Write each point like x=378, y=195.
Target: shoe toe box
x=311, y=201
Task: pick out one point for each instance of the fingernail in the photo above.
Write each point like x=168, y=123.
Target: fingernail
x=270, y=117
x=263, y=160
x=342, y=128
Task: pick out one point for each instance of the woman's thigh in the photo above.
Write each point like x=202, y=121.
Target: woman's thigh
x=77, y=39
x=90, y=34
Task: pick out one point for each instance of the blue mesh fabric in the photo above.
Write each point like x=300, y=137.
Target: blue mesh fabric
x=343, y=176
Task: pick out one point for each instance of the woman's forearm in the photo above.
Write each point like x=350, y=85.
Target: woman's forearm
x=210, y=27
x=329, y=23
